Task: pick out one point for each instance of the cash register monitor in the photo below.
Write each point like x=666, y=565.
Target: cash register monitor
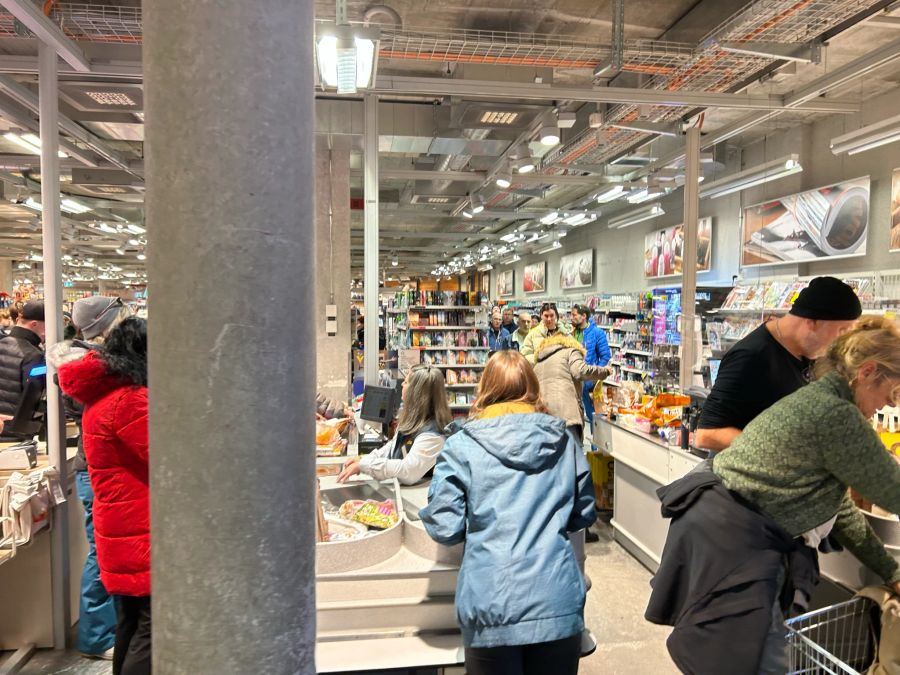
x=29, y=417
x=379, y=404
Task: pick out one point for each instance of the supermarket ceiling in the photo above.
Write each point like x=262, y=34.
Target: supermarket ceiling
x=469, y=89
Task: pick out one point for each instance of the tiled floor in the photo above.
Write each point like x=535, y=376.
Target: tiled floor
x=615, y=607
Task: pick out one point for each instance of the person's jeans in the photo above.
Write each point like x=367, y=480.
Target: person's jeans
x=97, y=612
x=588, y=402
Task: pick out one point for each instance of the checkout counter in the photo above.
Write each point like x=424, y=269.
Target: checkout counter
x=644, y=463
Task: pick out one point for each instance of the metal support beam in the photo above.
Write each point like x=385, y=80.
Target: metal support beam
x=370, y=284
x=48, y=33
x=408, y=234
x=847, y=73
x=53, y=297
x=803, y=53
x=618, y=35
x=480, y=176
x=689, y=256
x=120, y=70
x=26, y=97
x=492, y=90
x=658, y=128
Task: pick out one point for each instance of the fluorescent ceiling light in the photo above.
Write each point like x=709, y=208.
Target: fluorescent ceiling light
x=868, y=137
x=550, y=218
x=141, y=256
x=612, y=193
x=549, y=135
x=485, y=268
x=552, y=247
x=758, y=175
x=347, y=61
x=523, y=165
x=510, y=260
x=71, y=206
x=135, y=229
x=636, y=216
x=29, y=142
x=509, y=238
x=467, y=214
x=646, y=195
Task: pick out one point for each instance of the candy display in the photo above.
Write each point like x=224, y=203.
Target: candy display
x=380, y=515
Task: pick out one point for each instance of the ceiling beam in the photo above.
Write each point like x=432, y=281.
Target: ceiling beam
x=26, y=97
x=849, y=72
x=434, y=86
x=48, y=32
x=395, y=234
x=122, y=70
x=481, y=176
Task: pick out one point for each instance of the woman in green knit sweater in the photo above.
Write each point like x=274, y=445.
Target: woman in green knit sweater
x=790, y=471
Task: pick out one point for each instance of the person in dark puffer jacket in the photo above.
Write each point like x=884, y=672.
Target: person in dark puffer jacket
x=20, y=351
x=112, y=384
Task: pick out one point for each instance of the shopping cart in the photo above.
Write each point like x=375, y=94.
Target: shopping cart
x=838, y=640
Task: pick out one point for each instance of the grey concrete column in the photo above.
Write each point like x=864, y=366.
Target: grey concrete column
x=6, y=275
x=333, y=259
x=230, y=223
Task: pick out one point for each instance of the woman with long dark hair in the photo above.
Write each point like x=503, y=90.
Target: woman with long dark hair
x=111, y=382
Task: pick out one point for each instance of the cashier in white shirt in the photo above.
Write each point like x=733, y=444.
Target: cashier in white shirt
x=411, y=454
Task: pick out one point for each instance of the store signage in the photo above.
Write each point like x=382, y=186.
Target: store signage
x=828, y=222
x=663, y=250
x=506, y=283
x=576, y=270
x=535, y=277
x=895, y=211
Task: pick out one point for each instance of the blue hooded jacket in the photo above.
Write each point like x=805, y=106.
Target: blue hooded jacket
x=512, y=487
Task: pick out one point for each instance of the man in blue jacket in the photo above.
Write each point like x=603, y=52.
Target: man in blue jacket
x=596, y=348
x=498, y=336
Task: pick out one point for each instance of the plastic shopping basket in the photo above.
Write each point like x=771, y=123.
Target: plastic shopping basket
x=838, y=640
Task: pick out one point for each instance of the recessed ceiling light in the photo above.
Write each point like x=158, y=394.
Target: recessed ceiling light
x=110, y=189
x=499, y=117
x=549, y=135
x=111, y=98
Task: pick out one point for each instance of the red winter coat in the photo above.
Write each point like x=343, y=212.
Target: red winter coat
x=115, y=432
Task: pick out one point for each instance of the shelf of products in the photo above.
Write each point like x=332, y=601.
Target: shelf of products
x=447, y=330
x=625, y=319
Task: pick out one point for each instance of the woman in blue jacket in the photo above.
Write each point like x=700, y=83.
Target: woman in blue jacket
x=512, y=484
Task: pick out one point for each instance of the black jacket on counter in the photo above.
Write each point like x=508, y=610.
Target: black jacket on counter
x=20, y=351
x=719, y=576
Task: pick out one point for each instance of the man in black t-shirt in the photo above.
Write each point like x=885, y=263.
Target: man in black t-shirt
x=775, y=360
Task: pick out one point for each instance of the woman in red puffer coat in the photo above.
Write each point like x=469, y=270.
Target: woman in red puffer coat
x=111, y=382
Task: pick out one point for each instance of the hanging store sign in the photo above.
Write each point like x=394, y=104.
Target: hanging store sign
x=663, y=250
x=825, y=223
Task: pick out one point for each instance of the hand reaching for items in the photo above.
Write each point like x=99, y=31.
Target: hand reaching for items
x=351, y=468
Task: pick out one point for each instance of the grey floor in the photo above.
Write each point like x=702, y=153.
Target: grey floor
x=615, y=606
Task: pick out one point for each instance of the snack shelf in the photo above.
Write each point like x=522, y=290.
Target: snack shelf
x=445, y=328
x=469, y=366
x=452, y=349
x=637, y=352
x=471, y=308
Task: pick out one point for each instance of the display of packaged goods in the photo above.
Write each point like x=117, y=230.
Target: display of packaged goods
x=329, y=442
x=455, y=338
x=380, y=515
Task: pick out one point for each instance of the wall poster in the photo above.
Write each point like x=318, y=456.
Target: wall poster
x=663, y=249
x=828, y=222
x=576, y=270
x=535, y=277
x=506, y=283
x=895, y=211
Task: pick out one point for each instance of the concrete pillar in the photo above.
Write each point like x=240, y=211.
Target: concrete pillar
x=6, y=275
x=230, y=223
x=333, y=258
